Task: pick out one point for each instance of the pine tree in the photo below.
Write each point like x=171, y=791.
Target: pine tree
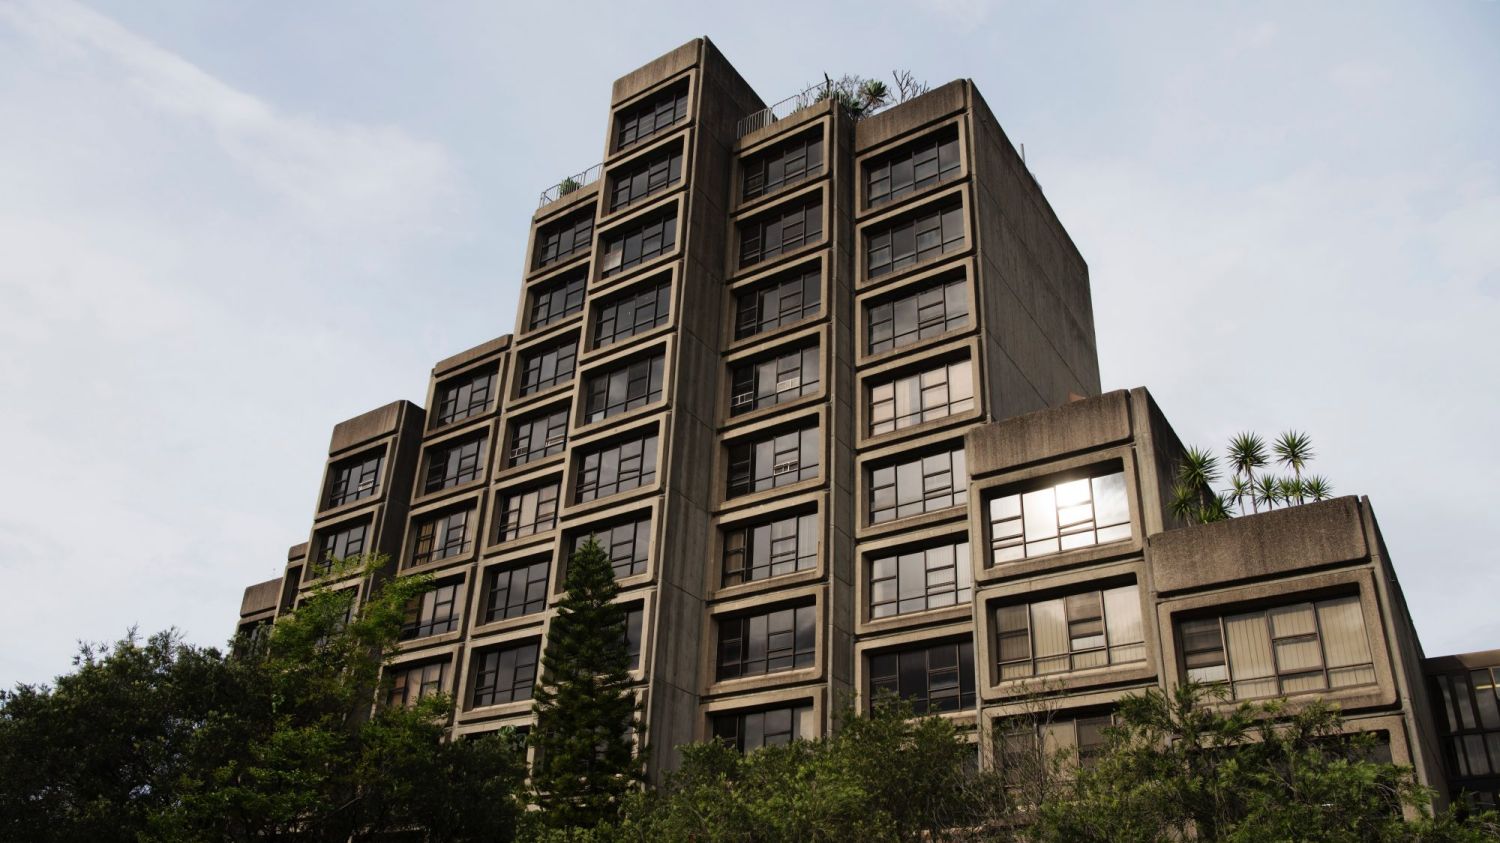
x=585, y=712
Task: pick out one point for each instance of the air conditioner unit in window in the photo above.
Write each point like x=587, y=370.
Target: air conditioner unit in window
x=518, y=452
x=784, y=467
x=742, y=399
x=789, y=383
x=557, y=439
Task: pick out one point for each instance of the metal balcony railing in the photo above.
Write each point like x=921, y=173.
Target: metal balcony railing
x=842, y=88
x=570, y=184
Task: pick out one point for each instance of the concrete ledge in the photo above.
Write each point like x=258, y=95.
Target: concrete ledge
x=1285, y=541
x=657, y=71
x=930, y=107
x=566, y=203
x=296, y=552
x=1047, y=434
x=379, y=422
x=1461, y=662
x=260, y=597
x=499, y=343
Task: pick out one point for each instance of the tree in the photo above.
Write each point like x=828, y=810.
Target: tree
x=585, y=711
x=1294, y=450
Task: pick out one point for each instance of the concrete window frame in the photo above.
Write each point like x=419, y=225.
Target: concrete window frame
x=520, y=483
x=535, y=287
x=815, y=502
x=671, y=275
x=769, y=277
x=866, y=551
x=673, y=204
x=501, y=468
x=680, y=137
x=655, y=423
x=801, y=194
x=927, y=636
x=463, y=578
x=576, y=524
x=916, y=446
x=484, y=431
x=907, y=211
x=510, y=560
x=926, y=131
x=383, y=448
x=820, y=124
x=536, y=343
x=911, y=364
x=817, y=335
x=553, y=218
x=689, y=118
x=759, y=701
x=792, y=419
x=435, y=650
x=494, y=355
x=465, y=710
x=663, y=346
x=938, y=273
x=815, y=595
x=473, y=502
x=373, y=517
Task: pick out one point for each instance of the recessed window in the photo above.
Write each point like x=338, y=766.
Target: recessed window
x=784, y=164
x=1470, y=703
x=504, y=674
x=619, y=390
x=912, y=399
x=463, y=396
x=1076, y=513
x=516, y=590
x=781, y=230
x=917, y=580
x=557, y=300
x=931, y=311
x=933, y=678
x=562, y=240
x=627, y=542
x=634, y=618
x=441, y=537
x=547, y=367
x=645, y=178
x=538, y=436
x=914, y=486
x=1291, y=649
x=433, y=613
x=774, y=380
x=748, y=731
x=774, y=460
x=409, y=684
x=454, y=464
x=786, y=301
x=651, y=117
x=764, y=549
x=914, y=239
x=339, y=544
x=754, y=645
x=1074, y=632
x=1027, y=746
x=931, y=160
x=635, y=312
x=638, y=242
x=526, y=512
x=617, y=468
x=355, y=479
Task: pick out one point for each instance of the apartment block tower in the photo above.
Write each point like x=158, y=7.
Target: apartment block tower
x=827, y=391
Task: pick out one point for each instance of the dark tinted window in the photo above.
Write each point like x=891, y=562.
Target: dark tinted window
x=929, y=161
x=546, y=367
x=538, y=436
x=914, y=239
x=770, y=548
x=782, y=165
x=774, y=460
x=451, y=465
x=617, y=468
x=781, y=230
x=785, y=301
x=564, y=239
x=557, y=300
x=355, y=479
x=914, y=486
x=650, y=176
x=505, y=674
x=767, y=643
x=635, y=312
x=516, y=591
x=929, y=312
x=635, y=384
x=638, y=243
x=651, y=117
x=464, y=396
x=938, y=677
x=769, y=382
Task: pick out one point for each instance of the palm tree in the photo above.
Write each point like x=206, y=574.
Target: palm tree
x=1317, y=487
x=1247, y=452
x=1239, y=489
x=1294, y=450
x=1292, y=487
x=1267, y=490
x=1199, y=471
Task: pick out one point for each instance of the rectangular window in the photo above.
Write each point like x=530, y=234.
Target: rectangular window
x=409, y=684
x=1027, y=747
x=355, y=479
x=913, y=239
x=753, y=645
x=925, y=396
x=564, y=239
x=783, y=165
x=1470, y=703
x=1079, y=631
x=538, y=436
x=777, y=460
x=627, y=542
x=636, y=312
x=757, y=551
x=634, y=616
x=464, y=396
x=504, y=674
x=1292, y=649
x=931, y=160
x=557, y=301
x=640, y=242
x=617, y=468
x=340, y=544
x=748, y=731
x=934, y=678
x=433, y=613
x=925, y=484
x=454, y=464
x=516, y=591
x=651, y=117
x=649, y=176
x=918, y=580
x=929, y=312
x=441, y=536
x=1076, y=513
x=547, y=367
x=785, y=301
x=610, y=393
x=774, y=380
x=528, y=512
x=780, y=231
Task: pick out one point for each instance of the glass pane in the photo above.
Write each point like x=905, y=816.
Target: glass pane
x=1292, y=620
x=1249, y=646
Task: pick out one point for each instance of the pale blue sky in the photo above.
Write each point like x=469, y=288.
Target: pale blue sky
x=1291, y=214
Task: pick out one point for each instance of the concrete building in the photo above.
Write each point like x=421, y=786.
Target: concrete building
x=818, y=384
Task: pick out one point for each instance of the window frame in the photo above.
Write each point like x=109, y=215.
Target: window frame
x=527, y=661
x=738, y=633
x=647, y=443
x=744, y=475
x=930, y=500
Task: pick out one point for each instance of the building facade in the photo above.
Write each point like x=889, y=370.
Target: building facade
x=818, y=385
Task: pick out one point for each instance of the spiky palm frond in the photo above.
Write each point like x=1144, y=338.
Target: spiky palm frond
x=1247, y=452
x=1219, y=508
x=1317, y=487
x=1239, y=489
x=874, y=92
x=1294, y=450
x=1184, y=504
x=1199, y=467
x=1267, y=491
x=1291, y=489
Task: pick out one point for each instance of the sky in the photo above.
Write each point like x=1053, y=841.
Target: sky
x=224, y=227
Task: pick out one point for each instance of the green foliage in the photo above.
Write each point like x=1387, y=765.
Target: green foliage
x=862, y=96
x=1194, y=501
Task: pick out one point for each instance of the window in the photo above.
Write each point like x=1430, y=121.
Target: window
x=617, y=468
x=638, y=243
x=773, y=380
x=562, y=240
x=777, y=460
x=929, y=312
x=516, y=591
x=549, y=366
x=752, y=645
x=1076, y=513
x=441, y=536
x=538, y=436
x=409, y=684
x=634, y=615
x=780, y=231
x=1026, y=746
x=557, y=301
x=912, y=399
x=627, y=542
x=1471, y=721
x=464, y=396
x=505, y=674
x=1292, y=649
x=636, y=312
x=929, y=161
x=1079, y=631
x=649, y=176
x=655, y=115
x=785, y=164
x=913, y=239
x=770, y=548
x=433, y=613
x=918, y=580
x=455, y=464
x=925, y=484
x=786, y=301
x=616, y=391
x=748, y=731
x=355, y=479
x=934, y=678
x=527, y=512
x=340, y=544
